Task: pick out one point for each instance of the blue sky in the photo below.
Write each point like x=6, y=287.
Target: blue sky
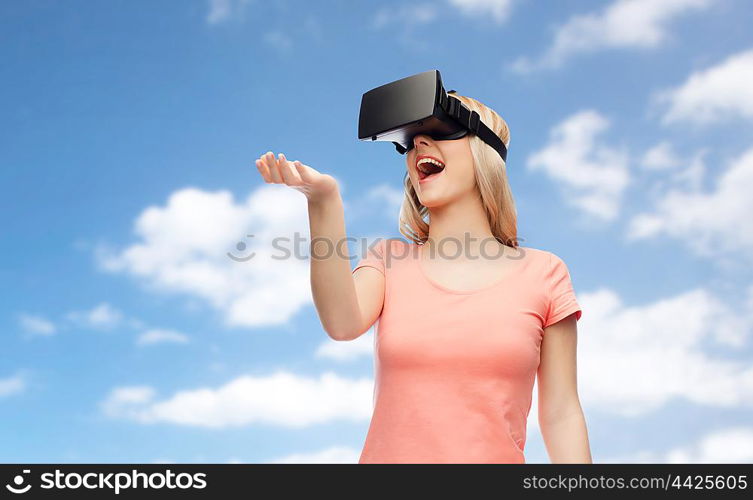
x=126, y=170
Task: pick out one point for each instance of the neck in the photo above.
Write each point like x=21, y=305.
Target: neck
x=460, y=224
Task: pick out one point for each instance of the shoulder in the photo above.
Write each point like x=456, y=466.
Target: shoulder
x=536, y=257
x=549, y=266
x=543, y=257
x=389, y=247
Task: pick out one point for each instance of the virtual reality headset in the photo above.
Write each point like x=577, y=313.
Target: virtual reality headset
x=418, y=104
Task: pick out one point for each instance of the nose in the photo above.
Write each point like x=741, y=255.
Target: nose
x=420, y=139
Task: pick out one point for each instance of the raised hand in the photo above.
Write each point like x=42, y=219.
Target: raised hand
x=315, y=185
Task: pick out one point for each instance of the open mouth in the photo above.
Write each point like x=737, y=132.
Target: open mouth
x=428, y=167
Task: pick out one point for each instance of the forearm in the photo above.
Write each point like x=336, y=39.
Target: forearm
x=566, y=437
x=332, y=284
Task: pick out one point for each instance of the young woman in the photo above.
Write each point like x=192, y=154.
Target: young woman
x=467, y=318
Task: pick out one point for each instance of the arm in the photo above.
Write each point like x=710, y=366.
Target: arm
x=347, y=303
x=561, y=419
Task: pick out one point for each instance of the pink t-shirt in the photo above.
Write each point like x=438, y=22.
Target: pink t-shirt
x=454, y=369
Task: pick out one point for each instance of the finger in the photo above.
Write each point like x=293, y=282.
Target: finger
x=304, y=171
x=274, y=172
x=269, y=163
x=263, y=170
x=289, y=175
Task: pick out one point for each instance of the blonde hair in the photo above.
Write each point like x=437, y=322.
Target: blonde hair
x=491, y=182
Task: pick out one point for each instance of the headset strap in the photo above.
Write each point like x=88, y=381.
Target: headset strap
x=471, y=120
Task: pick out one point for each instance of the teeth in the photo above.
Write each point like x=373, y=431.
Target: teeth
x=428, y=160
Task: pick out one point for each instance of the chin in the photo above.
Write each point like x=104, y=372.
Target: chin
x=432, y=200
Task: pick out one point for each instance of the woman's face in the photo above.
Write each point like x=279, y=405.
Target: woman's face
x=454, y=181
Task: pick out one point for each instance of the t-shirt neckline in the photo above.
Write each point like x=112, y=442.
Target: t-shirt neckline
x=436, y=284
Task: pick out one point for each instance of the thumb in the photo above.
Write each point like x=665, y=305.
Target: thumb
x=306, y=172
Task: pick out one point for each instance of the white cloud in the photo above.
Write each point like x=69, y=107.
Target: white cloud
x=405, y=14
x=634, y=359
x=124, y=402
x=708, y=222
x=592, y=174
x=691, y=175
x=731, y=445
x=407, y=18
x=161, y=335
x=712, y=95
x=280, y=399
x=641, y=24
x=185, y=246
x=11, y=385
x=382, y=200
x=660, y=157
x=36, y=325
x=331, y=455
x=664, y=170
x=409, y=15
x=347, y=350
x=499, y=10
x=390, y=197
x=101, y=317
x=223, y=10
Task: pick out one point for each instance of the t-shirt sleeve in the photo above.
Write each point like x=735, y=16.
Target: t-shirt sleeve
x=562, y=301
x=374, y=257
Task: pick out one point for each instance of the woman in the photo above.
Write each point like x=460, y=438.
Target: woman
x=467, y=318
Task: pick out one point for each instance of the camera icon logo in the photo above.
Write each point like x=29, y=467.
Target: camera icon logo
x=18, y=480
